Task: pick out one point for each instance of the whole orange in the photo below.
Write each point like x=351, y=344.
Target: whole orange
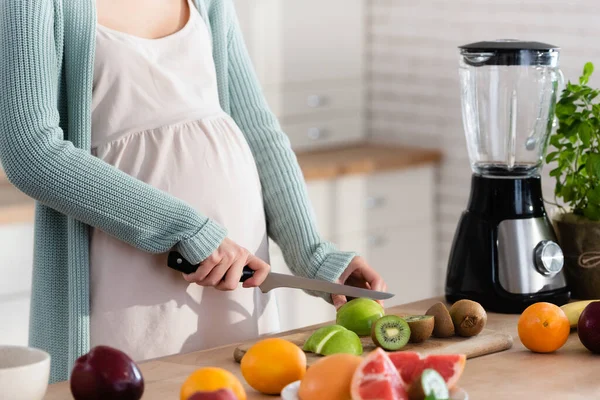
x=543, y=327
x=329, y=378
x=272, y=364
x=209, y=380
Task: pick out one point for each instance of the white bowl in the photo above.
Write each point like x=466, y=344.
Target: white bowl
x=290, y=392
x=24, y=373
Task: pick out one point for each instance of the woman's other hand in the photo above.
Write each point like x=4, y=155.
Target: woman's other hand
x=229, y=261
x=359, y=274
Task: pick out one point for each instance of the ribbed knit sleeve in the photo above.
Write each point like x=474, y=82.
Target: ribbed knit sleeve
x=291, y=221
x=70, y=180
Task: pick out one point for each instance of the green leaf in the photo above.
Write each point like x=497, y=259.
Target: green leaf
x=593, y=196
x=568, y=193
x=556, y=172
x=558, y=187
x=592, y=211
x=555, y=140
x=565, y=110
x=573, y=129
x=588, y=69
x=585, y=133
x=593, y=165
x=572, y=88
x=551, y=156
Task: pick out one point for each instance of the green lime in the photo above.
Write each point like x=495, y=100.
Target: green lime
x=316, y=341
x=359, y=314
x=342, y=342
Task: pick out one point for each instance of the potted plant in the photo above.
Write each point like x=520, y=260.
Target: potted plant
x=576, y=153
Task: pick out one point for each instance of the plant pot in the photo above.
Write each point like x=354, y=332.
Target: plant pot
x=579, y=239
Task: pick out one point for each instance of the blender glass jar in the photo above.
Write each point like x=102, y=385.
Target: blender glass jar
x=508, y=93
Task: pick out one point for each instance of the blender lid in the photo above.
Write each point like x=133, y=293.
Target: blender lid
x=510, y=52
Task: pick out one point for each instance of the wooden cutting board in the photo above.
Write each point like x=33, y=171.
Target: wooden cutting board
x=487, y=342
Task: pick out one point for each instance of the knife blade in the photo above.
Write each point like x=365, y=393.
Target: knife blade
x=275, y=280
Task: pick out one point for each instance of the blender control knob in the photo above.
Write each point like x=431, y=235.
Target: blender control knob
x=549, y=258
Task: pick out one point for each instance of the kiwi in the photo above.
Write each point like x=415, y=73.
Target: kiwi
x=390, y=332
x=442, y=322
x=430, y=384
x=469, y=317
x=421, y=327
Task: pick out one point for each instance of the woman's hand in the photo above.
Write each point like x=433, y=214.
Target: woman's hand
x=229, y=261
x=359, y=274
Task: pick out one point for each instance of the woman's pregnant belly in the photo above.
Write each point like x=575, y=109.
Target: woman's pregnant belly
x=140, y=305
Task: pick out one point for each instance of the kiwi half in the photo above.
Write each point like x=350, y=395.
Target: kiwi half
x=421, y=327
x=469, y=317
x=390, y=332
x=442, y=324
x=430, y=384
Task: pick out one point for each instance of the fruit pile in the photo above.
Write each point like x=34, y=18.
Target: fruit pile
x=365, y=317
x=545, y=327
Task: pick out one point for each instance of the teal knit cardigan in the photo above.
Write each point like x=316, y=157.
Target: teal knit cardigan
x=47, y=50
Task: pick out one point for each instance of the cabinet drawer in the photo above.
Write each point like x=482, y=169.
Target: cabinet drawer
x=403, y=256
x=310, y=135
x=402, y=197
x=315, y=101
x=383, y=200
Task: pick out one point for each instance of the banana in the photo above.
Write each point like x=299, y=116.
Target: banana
x=574, y=310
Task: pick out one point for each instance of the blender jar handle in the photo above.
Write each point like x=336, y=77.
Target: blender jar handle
x=561, y=81
x=560, y=87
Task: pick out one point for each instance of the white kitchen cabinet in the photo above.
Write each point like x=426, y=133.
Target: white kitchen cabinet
x=16, y=247
x=310, y=65
x=386, y=199
x=291, y=44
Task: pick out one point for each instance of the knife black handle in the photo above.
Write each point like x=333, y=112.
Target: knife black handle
x=178, y=263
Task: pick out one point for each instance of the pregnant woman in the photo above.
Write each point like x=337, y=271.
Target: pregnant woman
x=140, y=128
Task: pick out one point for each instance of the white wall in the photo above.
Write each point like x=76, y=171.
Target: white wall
x=413, y=74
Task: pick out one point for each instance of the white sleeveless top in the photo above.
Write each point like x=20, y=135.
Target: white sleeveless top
x=156, y=116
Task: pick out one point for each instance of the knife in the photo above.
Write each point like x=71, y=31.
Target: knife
x=275, y=280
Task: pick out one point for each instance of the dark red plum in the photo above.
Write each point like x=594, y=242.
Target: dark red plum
x=106, y=373
x=588, y=327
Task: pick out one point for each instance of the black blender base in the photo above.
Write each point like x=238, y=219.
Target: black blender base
x=473, y=266
x=511, y=303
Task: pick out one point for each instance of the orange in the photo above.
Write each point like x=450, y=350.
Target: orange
x=329, y=378
x=272, y=364
x=543, y=327
x=210, y=380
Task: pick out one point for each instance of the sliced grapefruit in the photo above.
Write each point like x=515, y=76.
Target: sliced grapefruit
x=410, y=365
x=376, y=378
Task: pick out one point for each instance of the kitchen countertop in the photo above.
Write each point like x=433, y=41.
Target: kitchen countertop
x=570, y=373
x=360, y=158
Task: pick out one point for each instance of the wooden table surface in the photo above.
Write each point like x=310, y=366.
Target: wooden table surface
x=570, y=373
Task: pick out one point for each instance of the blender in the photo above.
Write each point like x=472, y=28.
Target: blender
x=505, y=253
